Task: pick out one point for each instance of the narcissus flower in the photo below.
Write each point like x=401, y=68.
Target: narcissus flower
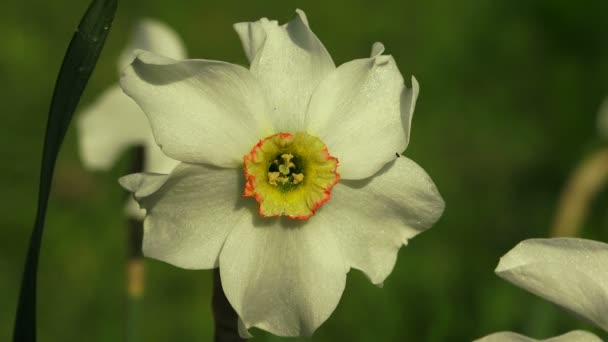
x=290, y=171
x=573, y=336
x=570, y=272
x=114, y=122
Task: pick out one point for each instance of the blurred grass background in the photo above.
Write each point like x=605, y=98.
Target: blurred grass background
x=509, y=95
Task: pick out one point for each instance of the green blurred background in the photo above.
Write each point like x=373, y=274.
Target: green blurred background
x=509, y=95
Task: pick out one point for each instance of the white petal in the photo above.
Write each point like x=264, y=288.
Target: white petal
x=242, y=329
x=377, y=49
x=362, y=111
x=132, y=210
x=252, y=36
x=154, y=158
x=602, y=119
x=569, y=272
x=408, y=105
x=113, y=124
x=573, y=336
x=281, y=275
x=152, y=35
x=143, y=184
x=108, y=127
x=189, y=213
x=290, y=61
x=372, y=219
x=200, y=111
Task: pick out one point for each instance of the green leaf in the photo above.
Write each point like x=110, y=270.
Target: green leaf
x=78, y=64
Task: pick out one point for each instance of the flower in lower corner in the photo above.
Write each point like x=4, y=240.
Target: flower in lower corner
x=291, y=171
x=114, y=122
x=570, y=272
x=572, y=336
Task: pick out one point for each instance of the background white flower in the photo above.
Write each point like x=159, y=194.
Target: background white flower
x=281, y=275
x=573, y=336
x=114, y=122
x=570, y=272
x=602, y=119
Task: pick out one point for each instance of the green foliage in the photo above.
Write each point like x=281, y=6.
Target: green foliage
x=77, y=67
x=509, y=94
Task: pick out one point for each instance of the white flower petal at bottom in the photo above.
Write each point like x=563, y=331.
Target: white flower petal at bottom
x=281, y=275
x=569, y=272
x=189, y=214
x=373, y=218
x=573, y=336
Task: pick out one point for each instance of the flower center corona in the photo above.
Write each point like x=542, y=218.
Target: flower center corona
x=290, y=175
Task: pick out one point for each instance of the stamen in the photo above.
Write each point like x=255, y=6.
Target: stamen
x=290, y=175
x=284, y=169
x=272, y=177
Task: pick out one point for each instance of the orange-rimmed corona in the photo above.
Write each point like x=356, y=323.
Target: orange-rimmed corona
x=290, y=175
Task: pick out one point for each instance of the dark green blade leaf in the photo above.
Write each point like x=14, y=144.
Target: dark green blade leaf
x=78, y=64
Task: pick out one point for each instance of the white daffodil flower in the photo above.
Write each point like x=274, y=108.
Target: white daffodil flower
x=290, y=171
x=114, y=122
x=573, y=336
x=570, y=272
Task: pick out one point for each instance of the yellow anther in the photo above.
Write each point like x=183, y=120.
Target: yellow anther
x=284, y=169
x=275, y=170
x=272, y=177
x=287, y=157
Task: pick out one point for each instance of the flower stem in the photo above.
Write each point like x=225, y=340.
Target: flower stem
x=135, y=280
x=135, y=263
x=586, y=181
x=226, y=329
